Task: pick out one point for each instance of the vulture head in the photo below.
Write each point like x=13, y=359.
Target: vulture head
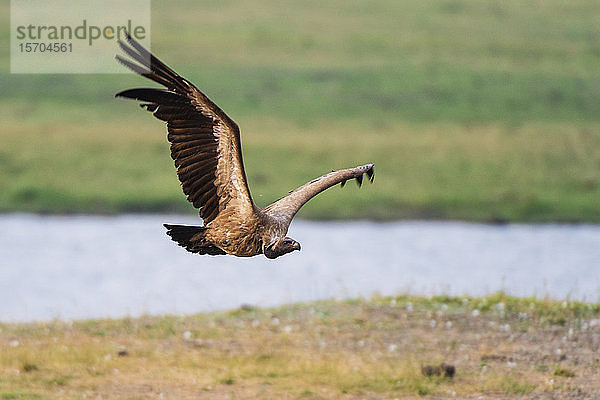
x=280, y=247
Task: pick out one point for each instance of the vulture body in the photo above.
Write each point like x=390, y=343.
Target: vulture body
x=206, y=148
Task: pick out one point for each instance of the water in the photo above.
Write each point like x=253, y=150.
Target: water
x=92, y=267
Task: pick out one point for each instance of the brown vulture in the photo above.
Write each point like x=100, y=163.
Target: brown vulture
x=206, y=148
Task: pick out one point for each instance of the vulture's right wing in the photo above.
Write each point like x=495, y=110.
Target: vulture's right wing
x=205, y=142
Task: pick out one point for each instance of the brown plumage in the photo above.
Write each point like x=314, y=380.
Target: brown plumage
x=206, y=148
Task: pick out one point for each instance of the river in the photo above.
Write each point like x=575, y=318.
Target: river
x=73, y=267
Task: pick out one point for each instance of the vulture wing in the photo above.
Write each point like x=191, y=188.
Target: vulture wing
x=205, y=142
x=286, y=207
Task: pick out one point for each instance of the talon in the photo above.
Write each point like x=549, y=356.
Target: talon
x=359, y=180
x=371, y=174
x=343, y=183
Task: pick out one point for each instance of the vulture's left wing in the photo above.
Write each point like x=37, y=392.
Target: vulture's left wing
x=286, y=207
x=205, y=142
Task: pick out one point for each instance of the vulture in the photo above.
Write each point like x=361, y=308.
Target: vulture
x=205, y=146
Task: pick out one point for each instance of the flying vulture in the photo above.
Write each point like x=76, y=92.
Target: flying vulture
x=206, y=148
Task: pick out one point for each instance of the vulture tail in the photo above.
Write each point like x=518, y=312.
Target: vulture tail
x=192, y=239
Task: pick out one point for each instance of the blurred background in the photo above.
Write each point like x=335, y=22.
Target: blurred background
x=471, y=110
x=480, y=111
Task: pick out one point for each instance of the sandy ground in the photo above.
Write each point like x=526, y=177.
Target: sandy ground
x=499, y=346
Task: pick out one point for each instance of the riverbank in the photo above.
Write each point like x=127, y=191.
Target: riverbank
x=534, y=172
x=460, y=121
x=500, y=346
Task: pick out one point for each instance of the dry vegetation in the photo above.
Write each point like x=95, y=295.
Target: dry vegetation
x=501, y=347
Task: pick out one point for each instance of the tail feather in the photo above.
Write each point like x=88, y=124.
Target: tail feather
x=192, y=239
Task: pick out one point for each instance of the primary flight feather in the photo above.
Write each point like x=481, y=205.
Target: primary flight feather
x=206, y=148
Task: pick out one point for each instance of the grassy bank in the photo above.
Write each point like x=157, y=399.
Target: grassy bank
x=474, y=173
x=470, y=110
x=500, y=346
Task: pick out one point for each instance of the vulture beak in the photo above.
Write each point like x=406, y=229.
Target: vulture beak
x=296, y=246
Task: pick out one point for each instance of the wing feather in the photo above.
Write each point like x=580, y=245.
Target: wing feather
x=205, y=142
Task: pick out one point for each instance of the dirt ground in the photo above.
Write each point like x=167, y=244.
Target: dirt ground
x=383, y=348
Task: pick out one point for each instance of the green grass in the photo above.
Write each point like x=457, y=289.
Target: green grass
x=327, y=350
x=482, y=173
x=470, y=110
